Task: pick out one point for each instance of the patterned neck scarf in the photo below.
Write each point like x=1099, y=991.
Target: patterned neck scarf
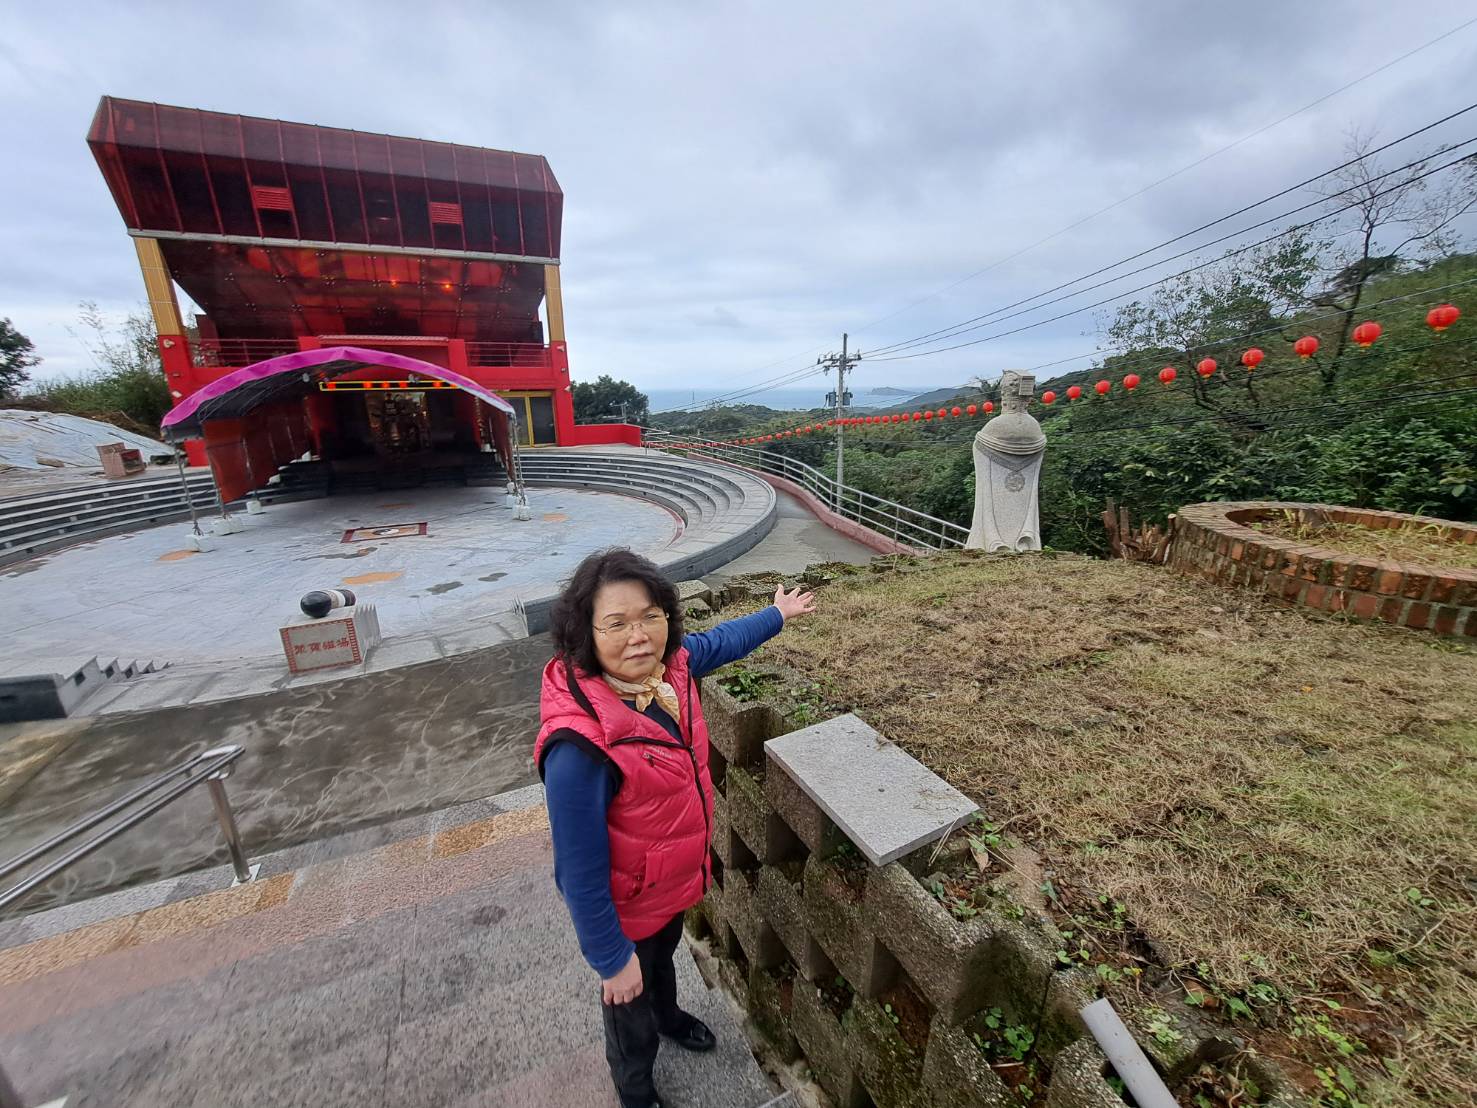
x=644, y=692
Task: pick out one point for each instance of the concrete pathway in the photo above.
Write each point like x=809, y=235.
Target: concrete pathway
x=798, y=540
x=439, y=970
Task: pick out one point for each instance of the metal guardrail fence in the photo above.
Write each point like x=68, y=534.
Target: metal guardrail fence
x=210, y=768
x=901, y=523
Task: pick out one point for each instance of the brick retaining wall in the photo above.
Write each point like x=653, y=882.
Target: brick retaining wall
x=818, y=959
x=1214, y=541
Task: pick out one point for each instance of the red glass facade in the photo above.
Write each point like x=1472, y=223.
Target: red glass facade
x=290, y=236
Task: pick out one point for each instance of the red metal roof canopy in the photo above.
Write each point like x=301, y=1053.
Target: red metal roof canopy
x=187, y=171
x=283, y=229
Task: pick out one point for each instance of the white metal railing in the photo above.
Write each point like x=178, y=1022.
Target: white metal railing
x=906, y=525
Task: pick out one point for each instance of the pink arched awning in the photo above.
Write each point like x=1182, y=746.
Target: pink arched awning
x=241, y=391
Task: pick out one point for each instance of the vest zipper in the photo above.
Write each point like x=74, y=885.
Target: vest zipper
x=697, y=782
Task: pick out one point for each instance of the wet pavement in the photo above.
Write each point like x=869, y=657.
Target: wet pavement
x=321, y=759
x=437, y=968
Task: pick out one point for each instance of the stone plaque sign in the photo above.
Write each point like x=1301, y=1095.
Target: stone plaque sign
x=343, y=639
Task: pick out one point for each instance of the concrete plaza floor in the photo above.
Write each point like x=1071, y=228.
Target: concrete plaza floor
x=145, y=595
x=324, y=756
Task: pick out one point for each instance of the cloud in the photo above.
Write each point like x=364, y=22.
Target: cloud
x=744, y=182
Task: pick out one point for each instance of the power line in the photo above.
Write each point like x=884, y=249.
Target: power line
x=784, y=379
x=1141, y=288
x=1217, y=344
x=1226, y=416
x=964, y=328
x=944, y=331
x=1303, y=418
x=1176, y=173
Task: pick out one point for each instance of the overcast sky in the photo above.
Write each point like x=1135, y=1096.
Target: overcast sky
x=745, y=181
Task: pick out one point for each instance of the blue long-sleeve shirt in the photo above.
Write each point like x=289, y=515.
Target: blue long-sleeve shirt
x=578, y=789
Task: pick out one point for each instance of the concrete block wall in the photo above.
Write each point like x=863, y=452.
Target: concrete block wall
x=860, y=970
x=1216, y=543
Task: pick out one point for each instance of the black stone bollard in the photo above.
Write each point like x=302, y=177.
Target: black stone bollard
x=319, y=602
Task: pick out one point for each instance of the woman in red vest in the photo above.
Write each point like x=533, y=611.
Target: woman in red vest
x=623, y=753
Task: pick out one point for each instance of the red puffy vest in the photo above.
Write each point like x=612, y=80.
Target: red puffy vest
x=660, y=822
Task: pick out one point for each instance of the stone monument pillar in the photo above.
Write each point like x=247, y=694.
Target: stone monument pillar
x=1007, y=470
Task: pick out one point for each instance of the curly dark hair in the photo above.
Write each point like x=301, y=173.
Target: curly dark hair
x=571, y=622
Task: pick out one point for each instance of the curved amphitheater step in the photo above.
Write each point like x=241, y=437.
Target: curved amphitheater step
x=720, y=514
x=427, y=962
x=41, y=522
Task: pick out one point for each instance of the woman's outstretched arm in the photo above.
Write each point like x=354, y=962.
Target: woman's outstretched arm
x=735, y=638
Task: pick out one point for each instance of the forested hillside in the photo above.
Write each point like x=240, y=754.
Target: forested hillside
x=1392, y=425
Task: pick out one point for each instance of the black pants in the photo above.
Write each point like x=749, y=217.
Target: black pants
x=633, y=1030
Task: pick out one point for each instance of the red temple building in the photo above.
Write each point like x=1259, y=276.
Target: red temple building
x=375, y=301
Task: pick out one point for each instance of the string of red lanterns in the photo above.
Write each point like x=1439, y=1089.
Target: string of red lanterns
x=1439, y=319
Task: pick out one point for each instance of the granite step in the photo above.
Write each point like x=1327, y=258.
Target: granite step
x=438, y=968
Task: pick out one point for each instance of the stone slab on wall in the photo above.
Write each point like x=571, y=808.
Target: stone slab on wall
x=884, y=800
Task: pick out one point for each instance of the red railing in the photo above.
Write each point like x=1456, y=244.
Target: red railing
x=239, y=352
x=526, y=355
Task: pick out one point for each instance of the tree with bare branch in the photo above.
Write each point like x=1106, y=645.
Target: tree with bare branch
x=1390, y=217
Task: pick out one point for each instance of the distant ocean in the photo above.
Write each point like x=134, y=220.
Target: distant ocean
x=801, y=399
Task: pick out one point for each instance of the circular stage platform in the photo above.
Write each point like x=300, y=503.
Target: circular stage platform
x=443, y=567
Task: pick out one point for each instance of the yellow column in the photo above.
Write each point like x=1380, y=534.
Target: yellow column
x=554, y=301
x=159, y=287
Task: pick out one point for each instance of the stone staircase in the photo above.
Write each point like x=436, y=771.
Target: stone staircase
x=437, y=967
x=725, y=512
x=43, y=522
x=54, y=688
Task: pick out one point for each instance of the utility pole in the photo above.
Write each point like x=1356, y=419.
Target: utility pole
x=840, y=399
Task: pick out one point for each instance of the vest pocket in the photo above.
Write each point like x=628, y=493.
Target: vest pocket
x=668, y=867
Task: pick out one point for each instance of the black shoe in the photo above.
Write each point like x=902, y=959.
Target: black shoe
x=694, y=1036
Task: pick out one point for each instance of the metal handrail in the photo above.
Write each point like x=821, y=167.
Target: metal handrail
x=904, y=524
x=213, y=767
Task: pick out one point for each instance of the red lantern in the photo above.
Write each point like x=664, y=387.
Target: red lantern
x=1048, y=397
x=989, y=406
x=928, y=415
x=942, y=412
x=1167, y=375
x=897, y=418
x=1205, y=366
x=1305, y=347
x=1073, y=393
x=1131, y=382
x=955, y=411
x=1252, y=358
x=973, y=409
x=1443, y=316
x=1367, y=333
x=917, y=415
x=1103, y=387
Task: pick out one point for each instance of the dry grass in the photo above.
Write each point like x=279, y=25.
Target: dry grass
x=1260, y=789
x=1424, y=544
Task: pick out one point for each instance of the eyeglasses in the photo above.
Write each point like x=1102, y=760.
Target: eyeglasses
x=620, y=629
